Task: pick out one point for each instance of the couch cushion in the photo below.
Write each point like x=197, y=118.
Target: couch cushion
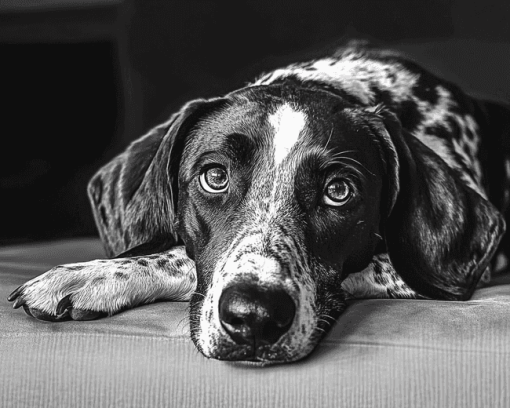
x=394, y=353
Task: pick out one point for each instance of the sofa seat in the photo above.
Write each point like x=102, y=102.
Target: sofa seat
x=381, y=353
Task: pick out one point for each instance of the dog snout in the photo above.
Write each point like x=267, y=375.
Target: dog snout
x=254, y=315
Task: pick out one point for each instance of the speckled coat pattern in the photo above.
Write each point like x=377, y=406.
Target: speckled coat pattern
x=443, y=198
x=434, y=111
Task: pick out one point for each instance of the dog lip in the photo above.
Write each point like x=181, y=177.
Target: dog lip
x=239, y=353
x=250, y=354
x=257, y=361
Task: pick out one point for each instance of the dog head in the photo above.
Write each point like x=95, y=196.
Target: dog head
x=280, y=192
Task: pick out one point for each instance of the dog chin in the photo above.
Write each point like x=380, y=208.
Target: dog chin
x=254, y=361
x=261, y=362
x=258, y=364
x=263, y=356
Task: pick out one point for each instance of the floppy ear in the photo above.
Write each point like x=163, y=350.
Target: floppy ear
x=440, y=234
x=134, y=197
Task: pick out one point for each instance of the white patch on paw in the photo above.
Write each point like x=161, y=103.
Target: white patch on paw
x=376, y=280
x=115, y=284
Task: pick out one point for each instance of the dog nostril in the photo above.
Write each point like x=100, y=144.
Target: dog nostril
x=251, y=315
x=271, y=332
x=236, y=321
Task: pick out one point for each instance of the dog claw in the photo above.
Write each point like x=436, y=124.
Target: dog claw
x=65, y=308
x=15, y=293
x=27, y=310
x=18, y=302
x=64, y=304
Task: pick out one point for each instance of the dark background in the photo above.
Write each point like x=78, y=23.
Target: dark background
x=80, y=79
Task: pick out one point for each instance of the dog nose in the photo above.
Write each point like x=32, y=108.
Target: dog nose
x=251, y=314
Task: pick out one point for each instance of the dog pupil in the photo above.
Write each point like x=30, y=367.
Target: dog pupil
x=338, y=190
x=216, y=177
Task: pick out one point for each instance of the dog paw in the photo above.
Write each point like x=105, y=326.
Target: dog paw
x=71, y=292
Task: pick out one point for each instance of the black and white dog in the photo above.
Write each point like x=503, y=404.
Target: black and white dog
x=352, y=176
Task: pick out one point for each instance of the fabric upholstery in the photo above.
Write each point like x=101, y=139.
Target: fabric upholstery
x=381, y=353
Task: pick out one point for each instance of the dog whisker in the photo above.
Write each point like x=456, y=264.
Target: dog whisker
x=329, y=138
x=329, y=323
x=355, y=161
x=182, y=322
x=339, y=154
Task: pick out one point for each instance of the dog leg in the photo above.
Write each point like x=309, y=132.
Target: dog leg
x=378, y=280
x=99, y=288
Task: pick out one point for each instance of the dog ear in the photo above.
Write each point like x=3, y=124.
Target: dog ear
x=134, y=196
x=440, y=233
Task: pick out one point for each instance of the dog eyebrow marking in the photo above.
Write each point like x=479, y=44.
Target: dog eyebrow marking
x=288, y=124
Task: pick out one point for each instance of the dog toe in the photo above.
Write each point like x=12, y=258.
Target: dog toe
x=66, y=306
x=27, y=310
x=41, y=315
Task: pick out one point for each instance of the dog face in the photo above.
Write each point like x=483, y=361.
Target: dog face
x=279, y=199
x=279, y=192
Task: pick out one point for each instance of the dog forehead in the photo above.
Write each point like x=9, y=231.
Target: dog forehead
x=281, y=123
x=238, y=116
x=288, y=125
x=272, y=118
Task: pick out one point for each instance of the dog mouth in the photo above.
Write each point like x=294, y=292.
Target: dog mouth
x=255, y=327
x=255, y=308
x=282, y=352
x=251, y=355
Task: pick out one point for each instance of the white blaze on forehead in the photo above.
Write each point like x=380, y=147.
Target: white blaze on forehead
x=288, y=125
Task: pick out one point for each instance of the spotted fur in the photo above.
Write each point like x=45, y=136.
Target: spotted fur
x=433, y=113
x=378, y=280
x=87, y=290
x=428, y=165
x=426, y=106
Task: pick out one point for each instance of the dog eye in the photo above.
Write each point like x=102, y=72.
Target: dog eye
x=214, y=180
x=337, y=193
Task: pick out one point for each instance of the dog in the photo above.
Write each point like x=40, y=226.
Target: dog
x=355, y=175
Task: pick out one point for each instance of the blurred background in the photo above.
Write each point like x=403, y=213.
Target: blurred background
x=80, y=79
